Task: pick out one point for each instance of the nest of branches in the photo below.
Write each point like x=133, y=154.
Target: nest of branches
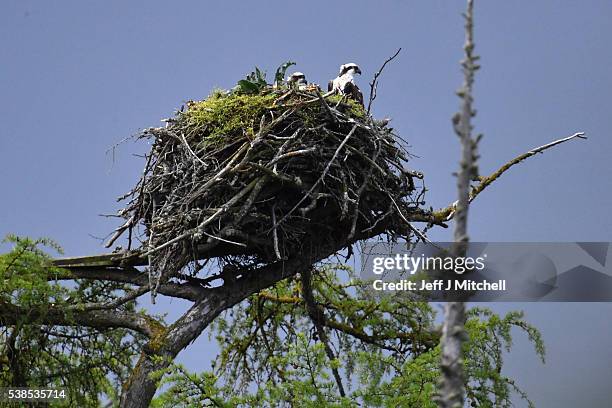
x=259, y=177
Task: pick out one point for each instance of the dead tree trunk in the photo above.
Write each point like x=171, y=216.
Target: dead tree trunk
x=452, y=390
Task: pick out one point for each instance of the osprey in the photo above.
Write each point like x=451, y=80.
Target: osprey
x=297, y=80
x=344, y=83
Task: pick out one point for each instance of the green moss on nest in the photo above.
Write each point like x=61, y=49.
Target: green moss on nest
x=227, y=116
x=223, y=117
x=355, y=109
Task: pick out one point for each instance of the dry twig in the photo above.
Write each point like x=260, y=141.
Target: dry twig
x=374, y=83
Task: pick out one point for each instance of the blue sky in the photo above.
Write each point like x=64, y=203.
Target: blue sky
x=78, y=77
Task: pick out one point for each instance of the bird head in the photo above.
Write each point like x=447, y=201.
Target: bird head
x=351, y=67
x=296, y=77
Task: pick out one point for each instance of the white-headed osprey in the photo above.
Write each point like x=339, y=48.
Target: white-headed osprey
x=344, y=83
x=298, y=80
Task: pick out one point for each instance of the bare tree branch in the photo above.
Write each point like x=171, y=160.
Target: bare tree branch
x=374, y=83
x=486, y=181
x=448, y=213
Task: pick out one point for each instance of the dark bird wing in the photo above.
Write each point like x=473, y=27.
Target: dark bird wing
x=353, y=92
x=358, y=95
x=330, y=86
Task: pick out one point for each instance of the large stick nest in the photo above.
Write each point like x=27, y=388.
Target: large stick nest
x=260, y=177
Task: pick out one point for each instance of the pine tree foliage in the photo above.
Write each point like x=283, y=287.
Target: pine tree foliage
x=87, y=362
x=387, y=352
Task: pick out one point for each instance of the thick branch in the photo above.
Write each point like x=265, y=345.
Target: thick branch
x=10, y=314
x=140, y=388
x=192, y=290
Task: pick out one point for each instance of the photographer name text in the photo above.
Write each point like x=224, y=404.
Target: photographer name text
x=439, y=284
